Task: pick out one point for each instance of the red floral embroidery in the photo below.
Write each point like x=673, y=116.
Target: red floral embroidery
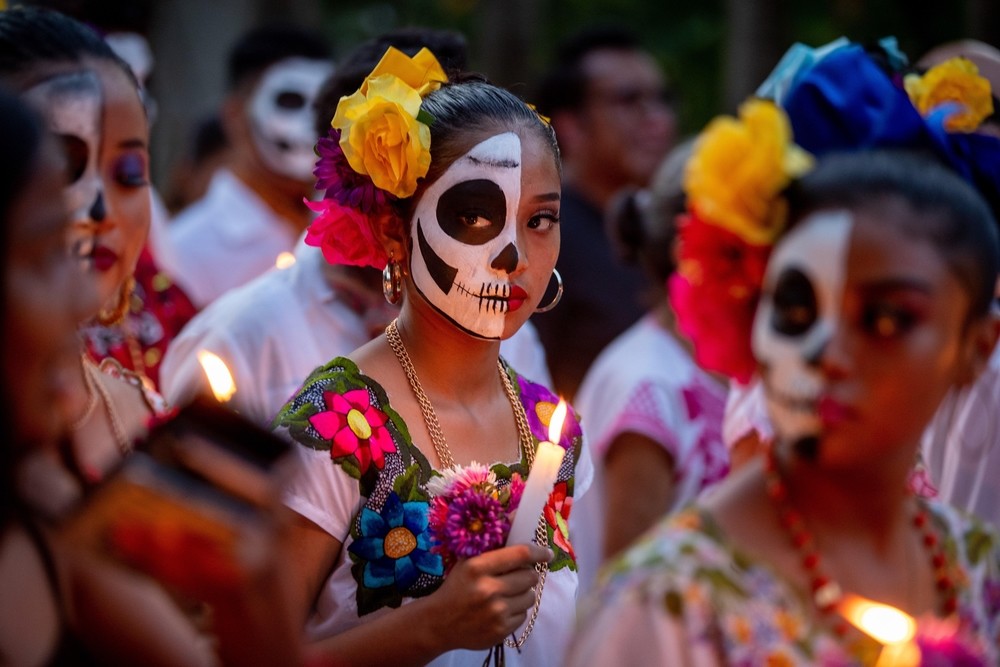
x=557, y=515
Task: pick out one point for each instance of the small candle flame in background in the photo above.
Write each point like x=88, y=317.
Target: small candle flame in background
x=556, y=423
x=284, y=260
x=219, y=377
x=892, y=628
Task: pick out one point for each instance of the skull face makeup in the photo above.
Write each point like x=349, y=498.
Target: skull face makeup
x=464, y=233
x=72, y=105
x=796, y=319
x=281, y=115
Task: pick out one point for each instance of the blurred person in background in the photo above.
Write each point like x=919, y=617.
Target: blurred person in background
x=961, y=447
x=63, y=605
x=252, y=211
x=609, y=104
x=149, y=309
x=653, y=418
x=207, y=151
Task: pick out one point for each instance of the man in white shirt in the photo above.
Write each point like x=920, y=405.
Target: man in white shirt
x=275, y=330
x=253, y=209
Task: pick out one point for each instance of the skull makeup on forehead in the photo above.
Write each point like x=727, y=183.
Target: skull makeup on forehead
x=796, y=319
x=72, y=106
x=464, y=234
x=281, y=115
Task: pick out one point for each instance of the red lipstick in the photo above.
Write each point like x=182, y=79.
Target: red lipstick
x=516, y=299
x=104, y=258
x=832, y=412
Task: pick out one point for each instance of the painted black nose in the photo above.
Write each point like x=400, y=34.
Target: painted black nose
x=506, y=260
x=97, y=211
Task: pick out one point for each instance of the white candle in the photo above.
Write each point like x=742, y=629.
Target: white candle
x=541, y=480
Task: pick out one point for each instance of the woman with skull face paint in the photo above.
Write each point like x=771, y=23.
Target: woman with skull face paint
x=91, y=101
x=122, y=617
x=874, y=305
x=470, y=248
x=65, y=69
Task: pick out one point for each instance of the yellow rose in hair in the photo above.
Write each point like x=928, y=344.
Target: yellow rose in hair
x=422, y=72
x=739, y=168
x=956, y=81
x=381, y=136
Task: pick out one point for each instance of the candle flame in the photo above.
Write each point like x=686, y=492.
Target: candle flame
x=556, y=423
x=884, y=623
x=284, y=260
x=219, y=377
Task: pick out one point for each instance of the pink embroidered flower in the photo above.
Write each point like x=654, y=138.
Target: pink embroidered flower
x=342, y=184
x=344, y=235
x=557, y=511
x=355, y=427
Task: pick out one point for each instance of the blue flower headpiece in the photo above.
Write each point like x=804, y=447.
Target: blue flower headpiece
x=839, y=98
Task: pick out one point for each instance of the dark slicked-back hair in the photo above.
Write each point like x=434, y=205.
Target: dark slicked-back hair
x=262, y=47
x=30, y=36
x=468, y=109
x=946, y=210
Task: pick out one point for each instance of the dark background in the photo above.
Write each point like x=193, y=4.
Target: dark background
x=715, y=52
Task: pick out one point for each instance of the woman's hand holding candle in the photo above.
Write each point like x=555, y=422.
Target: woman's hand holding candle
x=541, y=480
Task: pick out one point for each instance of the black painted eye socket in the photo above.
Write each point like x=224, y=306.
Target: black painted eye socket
x=472, y=212
x=795, y=309
x=290, y=100
x=76, y=152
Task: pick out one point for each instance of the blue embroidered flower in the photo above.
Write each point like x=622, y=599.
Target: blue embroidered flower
x=395, y=544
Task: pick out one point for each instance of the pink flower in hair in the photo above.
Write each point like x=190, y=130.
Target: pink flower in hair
x=345, y=235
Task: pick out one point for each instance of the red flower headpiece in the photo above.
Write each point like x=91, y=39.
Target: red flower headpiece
x=733, y=182
x=377, y=149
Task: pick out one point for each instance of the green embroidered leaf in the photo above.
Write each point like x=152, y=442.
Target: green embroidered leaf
x=373, y=599
x=407, y=486
x=720, y=580
x=978, y=544
x=300, y=433
x=502, y=470
x=350, y=465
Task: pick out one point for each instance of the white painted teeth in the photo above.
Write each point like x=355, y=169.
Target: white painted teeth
x=492, y=296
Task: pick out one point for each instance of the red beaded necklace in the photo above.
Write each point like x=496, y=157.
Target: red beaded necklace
x=827, y=593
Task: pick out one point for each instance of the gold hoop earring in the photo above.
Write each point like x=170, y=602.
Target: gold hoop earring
x=116, y=315
x=392, y=282
x=559, y=292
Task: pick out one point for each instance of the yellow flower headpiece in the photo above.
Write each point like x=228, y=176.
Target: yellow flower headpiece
x=739, y=167
x=383, y=133
x=956, y=81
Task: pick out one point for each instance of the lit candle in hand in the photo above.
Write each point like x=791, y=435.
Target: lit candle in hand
x=889, y=626
x=219, y=377
x=541, y=480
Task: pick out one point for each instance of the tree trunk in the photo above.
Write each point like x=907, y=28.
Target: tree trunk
x=753, y=46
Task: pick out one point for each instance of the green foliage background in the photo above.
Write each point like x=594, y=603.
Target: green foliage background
x=688, y=37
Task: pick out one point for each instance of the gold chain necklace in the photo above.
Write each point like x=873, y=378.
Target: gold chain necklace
x=447, y=461
x=121, y=439
x=88, y=383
